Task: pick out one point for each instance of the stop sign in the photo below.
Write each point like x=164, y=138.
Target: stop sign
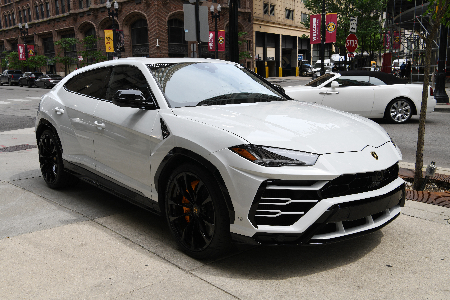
x=351, y=43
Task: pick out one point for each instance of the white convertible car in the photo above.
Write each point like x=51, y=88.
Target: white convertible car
x=369, y=94
x=220, y=152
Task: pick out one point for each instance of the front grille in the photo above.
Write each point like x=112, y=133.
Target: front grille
x=349, y=184
x=284, y=202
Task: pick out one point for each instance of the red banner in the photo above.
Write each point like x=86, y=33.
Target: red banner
x=211, y=41
x=314, y=29
x=387, y=40
x=331, y=26
x=396, y=40
x=21, y=49
x=30, y=50
x=220, y=41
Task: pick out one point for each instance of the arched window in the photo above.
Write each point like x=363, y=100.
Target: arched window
x=177, y=42
x=139, y=38
x=91, y=32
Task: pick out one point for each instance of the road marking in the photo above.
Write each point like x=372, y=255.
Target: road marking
x=4, y=102
x=19, y=100
x=33, y=97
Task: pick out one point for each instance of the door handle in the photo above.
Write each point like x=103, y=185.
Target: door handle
x=328, y=93
x=59, y=111
x=99, y=125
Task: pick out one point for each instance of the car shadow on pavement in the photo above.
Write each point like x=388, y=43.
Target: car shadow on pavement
x=151, y=232
x=281, y=262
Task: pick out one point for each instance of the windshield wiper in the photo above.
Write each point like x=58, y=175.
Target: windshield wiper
x=238, y=98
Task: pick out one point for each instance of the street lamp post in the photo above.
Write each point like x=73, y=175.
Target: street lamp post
x=216, y=16
x=114, y=13
x=24, y=33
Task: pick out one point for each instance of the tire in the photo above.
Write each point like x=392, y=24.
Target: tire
x=304, y=73
x=196, y=212
x=51, y=163
x=30, y=85
x=399, y=111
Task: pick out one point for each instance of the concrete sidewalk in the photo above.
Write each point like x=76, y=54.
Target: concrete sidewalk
x=82, y=243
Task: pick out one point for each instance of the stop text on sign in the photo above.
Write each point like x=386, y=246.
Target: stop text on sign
x=351, y=43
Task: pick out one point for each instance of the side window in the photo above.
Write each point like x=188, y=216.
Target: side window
x=376, y=81
x=92, y=83
x=126, y=77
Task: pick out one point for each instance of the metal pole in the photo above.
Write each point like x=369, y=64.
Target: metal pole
x=233, y=33
x=439, y=93
x=197, y=27
x=216, y=33
x=322, y=46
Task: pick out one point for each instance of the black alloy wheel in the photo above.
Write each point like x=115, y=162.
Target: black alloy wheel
x=196, y=212
x=50, y=159
x=399, y=111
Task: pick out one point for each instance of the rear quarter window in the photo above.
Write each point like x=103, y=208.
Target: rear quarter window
x=92, y=83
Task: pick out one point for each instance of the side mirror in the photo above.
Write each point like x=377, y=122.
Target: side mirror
x=334, y=84
x=132, y=98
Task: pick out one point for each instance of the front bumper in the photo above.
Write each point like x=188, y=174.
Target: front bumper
x=344, y=221
x=322, y=211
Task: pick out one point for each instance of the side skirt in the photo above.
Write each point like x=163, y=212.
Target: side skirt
x=112, y=186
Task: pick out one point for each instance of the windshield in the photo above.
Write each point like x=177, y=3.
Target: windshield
x=319, y=80
x=192, y=84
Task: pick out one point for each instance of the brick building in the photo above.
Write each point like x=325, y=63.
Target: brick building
x=153, y=28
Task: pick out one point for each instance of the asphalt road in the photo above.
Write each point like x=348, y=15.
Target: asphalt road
x=18, y=106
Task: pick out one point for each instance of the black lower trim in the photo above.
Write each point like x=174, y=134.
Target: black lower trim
x=111, y=186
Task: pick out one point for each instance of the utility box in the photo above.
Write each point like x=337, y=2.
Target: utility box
x=189, y=23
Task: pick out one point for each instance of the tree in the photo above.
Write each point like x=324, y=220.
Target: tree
x=369, y=26
x=438, y=11
x=13, y=62
x=4, y=60
x=66, y=45
x=243, y=54
x=90, y=53
x=36, y=61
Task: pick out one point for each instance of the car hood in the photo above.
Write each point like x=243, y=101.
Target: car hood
x=290, y=125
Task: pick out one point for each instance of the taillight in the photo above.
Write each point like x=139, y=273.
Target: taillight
x=431, y=91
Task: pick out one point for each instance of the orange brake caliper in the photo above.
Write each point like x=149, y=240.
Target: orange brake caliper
x=184, y=200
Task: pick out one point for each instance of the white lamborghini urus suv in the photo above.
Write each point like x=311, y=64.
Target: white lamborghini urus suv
x=220, y=152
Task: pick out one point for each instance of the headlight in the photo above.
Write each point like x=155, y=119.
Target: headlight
x=274, y=157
